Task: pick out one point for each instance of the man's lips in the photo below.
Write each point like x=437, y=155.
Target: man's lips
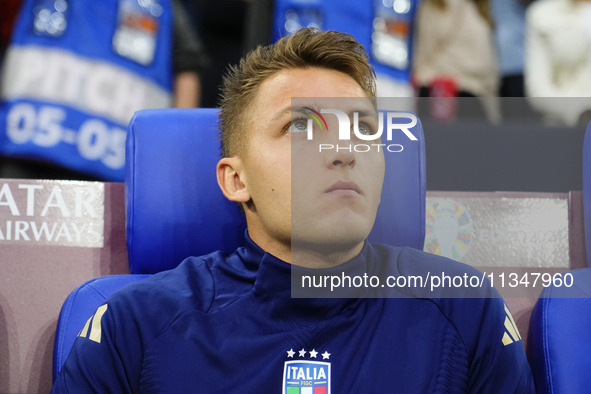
x=342, y=187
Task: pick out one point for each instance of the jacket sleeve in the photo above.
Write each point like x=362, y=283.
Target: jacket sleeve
x=97, y=363
x=498, y=362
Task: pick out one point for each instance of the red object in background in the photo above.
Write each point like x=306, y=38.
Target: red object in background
x=8, y=13
x=443, y=102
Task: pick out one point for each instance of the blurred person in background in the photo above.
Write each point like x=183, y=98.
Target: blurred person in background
x=558, y=59
x=509, y=33
x=189, y=59
x=220, y=25
x=8, y=13
x=454, y=52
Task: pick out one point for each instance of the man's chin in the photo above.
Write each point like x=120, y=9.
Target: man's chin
x=335, y=223
x=327, y=244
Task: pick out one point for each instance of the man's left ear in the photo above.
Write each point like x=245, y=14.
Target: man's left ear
x=232, y=179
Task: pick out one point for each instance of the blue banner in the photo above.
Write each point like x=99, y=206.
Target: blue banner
x=75, y=74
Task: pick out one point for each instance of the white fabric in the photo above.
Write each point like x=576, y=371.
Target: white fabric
x=558, y=58
x=456, y=43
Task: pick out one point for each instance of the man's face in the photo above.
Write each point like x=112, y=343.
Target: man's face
x=303, y=197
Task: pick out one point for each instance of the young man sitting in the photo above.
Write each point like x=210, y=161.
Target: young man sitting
x=228, y=323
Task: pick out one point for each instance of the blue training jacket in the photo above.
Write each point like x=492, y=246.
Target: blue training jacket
x=227, y=324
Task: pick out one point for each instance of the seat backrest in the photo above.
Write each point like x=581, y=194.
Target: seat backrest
x=587, y=191
x=559, y=338
x=174, y=206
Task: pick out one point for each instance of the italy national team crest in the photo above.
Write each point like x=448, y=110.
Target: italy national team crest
x=306, y=376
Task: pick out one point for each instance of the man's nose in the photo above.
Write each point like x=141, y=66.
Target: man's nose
x=343, y=155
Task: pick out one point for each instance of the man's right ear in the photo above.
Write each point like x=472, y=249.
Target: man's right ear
x=232, y=179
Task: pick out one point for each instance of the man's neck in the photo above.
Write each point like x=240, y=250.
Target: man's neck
x=308, y=255
x=304, y=256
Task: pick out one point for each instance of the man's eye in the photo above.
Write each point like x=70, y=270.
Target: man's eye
x=298, y=126
x=364, y=129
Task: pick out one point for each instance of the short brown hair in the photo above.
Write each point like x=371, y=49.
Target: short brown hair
x=304, y=49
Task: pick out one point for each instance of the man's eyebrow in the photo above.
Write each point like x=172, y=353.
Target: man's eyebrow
x=285, y=111
x=363, y=113
x=302, y=110
x=288, y=110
